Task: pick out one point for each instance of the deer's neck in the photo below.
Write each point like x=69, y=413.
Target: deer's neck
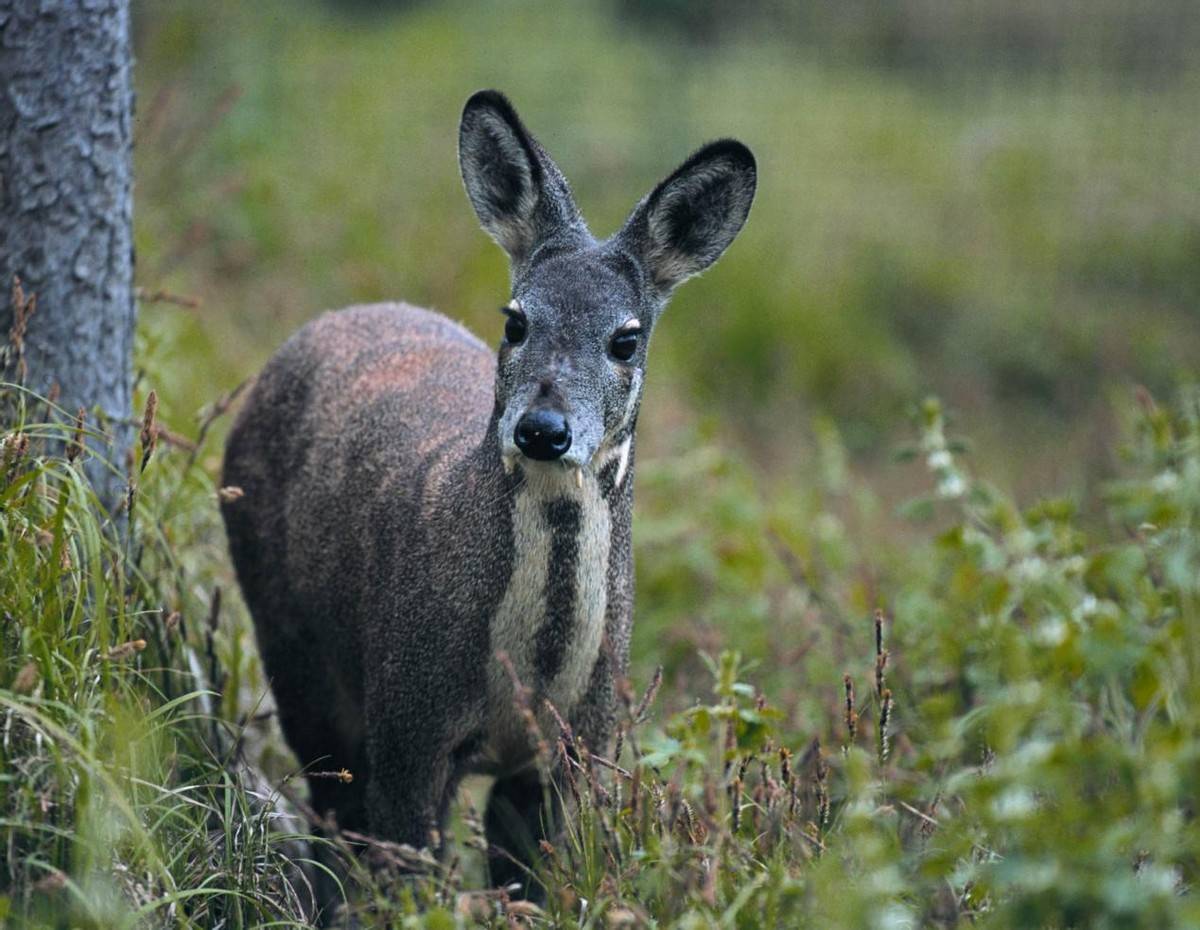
x=551, y=618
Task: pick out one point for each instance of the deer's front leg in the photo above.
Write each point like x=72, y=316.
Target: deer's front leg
x=409, y=774
x=420, y=716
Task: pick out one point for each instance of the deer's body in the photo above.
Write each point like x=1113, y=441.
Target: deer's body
x=415, y=507
x=462, y=560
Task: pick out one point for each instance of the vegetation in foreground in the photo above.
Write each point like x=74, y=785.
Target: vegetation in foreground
x=1008, y=742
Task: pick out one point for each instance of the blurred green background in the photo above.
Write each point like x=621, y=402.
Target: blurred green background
x=995, y=201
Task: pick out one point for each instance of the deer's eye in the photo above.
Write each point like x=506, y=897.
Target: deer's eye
x=515, y=328
x=624, y=344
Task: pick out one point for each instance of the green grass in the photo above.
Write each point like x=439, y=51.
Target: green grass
x=123, y=801
x=1036, y=768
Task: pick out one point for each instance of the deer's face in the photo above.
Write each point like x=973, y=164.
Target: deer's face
x=569, y=376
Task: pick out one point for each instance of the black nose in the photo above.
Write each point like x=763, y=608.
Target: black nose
x=543, y=434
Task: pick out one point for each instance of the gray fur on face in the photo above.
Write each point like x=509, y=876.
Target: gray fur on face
x=573, y=304
x=576, y=292
x=392, y=540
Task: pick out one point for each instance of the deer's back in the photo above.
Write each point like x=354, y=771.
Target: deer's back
x=351, y=450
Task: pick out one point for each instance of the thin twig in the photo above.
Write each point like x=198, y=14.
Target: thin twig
x=163, y=296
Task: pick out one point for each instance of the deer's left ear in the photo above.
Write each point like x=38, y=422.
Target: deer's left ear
x=692, y=217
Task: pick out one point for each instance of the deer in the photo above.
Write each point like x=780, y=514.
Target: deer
x=427, y=524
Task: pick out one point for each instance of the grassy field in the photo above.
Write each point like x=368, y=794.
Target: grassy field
x=1022, y=241
x=988, y=236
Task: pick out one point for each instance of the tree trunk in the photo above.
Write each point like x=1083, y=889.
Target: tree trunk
x=66, y=206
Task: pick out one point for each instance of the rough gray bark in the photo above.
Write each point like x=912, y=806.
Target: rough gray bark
x=66, y=204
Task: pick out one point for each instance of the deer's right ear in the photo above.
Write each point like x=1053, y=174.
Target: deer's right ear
x=518, y=193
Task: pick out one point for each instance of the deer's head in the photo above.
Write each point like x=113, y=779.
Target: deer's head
x=570, y=369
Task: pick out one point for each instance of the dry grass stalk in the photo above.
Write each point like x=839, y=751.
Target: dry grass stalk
x=691, y=824
x=790, y=782
x=639, y=714
x=525, y=911
x=521, y=698
x=28, y=678
x=568, y=769
x=214, y=413
x=399, y=854
x=729, y=748
x=671, y=797
x=478, y=907
x=711, y=807
x=821, y=789
x=624, y=917
x=708, y=888
x=16, y=447
x=167, y=297
x=851, y=715
x=552, y=859
x=125, y=650
x=600, y=795
x=149, y=435
x=735, y=803
x=925, y=819
x=23, y=308
x=154, y=115
x=885, y=719
x=881, y=656
x=345, y=776
x=478, y=836
x=625, y=694
x=564, y=728
x=1145, y=400
x=175, y=440
x=75, y=446
x=611, y=766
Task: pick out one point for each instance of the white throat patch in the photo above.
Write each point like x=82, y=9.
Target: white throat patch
x=524, y=609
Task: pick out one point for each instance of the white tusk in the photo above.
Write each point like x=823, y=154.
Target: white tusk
x=509, y=464
x=578, y=477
